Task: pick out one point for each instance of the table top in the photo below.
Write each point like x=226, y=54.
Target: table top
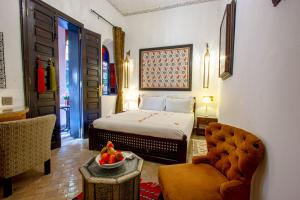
x=13, y=109
x=94, y=174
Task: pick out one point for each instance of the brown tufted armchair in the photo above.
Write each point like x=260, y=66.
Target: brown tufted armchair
x=225, y=173
x=24, y=144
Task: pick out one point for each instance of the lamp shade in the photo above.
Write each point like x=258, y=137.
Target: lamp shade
x=207, y=99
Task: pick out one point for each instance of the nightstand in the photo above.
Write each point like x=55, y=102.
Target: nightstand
x=202, y=123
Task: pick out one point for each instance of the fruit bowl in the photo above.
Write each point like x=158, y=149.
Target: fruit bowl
x=110, y=158
x=108, y=166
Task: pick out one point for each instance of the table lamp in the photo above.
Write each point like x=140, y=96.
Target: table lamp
x=206, y=100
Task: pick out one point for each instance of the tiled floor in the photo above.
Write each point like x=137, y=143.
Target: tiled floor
x=66, y=138
x=64, y=182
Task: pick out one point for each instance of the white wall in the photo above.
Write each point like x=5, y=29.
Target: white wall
x=10, y=26
x=80, y=10
x=195, y=24
x=263, y=94
x=108, y=104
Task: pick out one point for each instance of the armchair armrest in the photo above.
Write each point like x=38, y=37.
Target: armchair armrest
x=235, y=190
x=200, y=159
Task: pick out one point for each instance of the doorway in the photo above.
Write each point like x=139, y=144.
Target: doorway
x=70, y=93
x=40, y=35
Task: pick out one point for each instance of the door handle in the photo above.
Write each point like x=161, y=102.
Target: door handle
x=99, y=88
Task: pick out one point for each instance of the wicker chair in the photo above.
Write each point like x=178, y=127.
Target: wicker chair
x=225, y=173
x=24, y=144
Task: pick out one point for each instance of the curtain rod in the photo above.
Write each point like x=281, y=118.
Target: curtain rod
x=99, y=16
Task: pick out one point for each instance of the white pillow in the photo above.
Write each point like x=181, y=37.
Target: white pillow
x=180, y=97
x=152, y=103
x=179, y=105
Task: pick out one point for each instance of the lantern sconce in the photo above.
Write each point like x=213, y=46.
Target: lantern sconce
x=126, y=70
x=206, y=67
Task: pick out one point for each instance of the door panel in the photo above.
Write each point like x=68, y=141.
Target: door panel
x=74, y=78
x=42, y=44
x=91, y=78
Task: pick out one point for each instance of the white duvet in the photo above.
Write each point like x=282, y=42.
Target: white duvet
x=163, y=124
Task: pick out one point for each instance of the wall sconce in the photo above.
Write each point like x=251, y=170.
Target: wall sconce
x=206, y=67
x=126, y=70
x=206, y=100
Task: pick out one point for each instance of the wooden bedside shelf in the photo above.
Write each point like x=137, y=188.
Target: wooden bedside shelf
x=202, y=123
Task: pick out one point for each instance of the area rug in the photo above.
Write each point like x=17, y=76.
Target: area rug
x=199, y=147
x=148, y=191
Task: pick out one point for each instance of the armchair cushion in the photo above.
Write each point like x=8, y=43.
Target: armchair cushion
x=191, y=181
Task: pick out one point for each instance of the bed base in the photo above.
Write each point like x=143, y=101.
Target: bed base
x=162, y=150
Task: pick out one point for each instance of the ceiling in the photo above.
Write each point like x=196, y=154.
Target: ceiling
x=133, y=7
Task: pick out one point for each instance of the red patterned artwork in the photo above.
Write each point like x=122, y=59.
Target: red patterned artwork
x=166, y=68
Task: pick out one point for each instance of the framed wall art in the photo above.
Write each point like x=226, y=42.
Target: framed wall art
x=166, y=68
x=2, y=63
x=226, y=45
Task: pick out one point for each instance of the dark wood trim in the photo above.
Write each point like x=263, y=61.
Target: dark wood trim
x=47, y=167
x=94, y=33
x=169, y=47
x=151, y=148
x=25, y=22
x=57, y=128
x=7, y=187
x=202, y=123
x=276, y=2
x=59, y=13
x=88, y=112
x=24, y=46
x=83, y=87
x=229, y=21
x=24, y=39
x=160, y=197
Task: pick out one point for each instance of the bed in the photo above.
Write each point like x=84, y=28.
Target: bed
x=158, y=136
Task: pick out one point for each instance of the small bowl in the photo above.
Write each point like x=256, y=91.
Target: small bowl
x=109, y=166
